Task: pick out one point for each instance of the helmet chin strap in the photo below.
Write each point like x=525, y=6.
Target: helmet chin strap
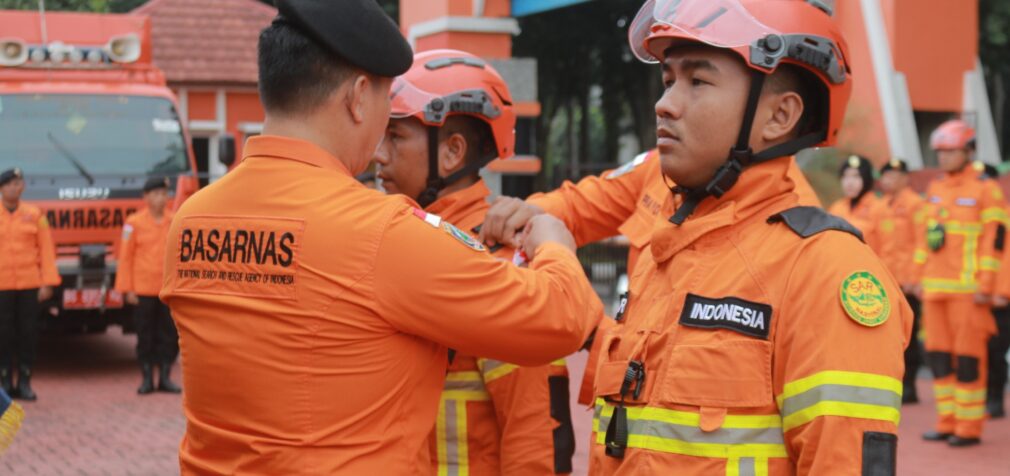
x=740, y=157
x=436, y=183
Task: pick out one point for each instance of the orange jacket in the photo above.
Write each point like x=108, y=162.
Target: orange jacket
x=142, y=253
x=627, y=201
x=903, y=216
x=314, y=316
x=27, y=253
x=866, y=216
x=757, y=346
x=970, y=210
x=494, y=418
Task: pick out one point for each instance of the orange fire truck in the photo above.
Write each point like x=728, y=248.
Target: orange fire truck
x=88, y=118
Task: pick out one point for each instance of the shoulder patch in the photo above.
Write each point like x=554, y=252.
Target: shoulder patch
x=864, y=299
x=735, y=314
x=462, y=237
x=433, y=220
x=127, y=231
x=628, y=167
x=809, y=221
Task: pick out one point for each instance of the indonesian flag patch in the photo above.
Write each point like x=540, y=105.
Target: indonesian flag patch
x=433, y=220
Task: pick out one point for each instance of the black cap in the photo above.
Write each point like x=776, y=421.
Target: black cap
x=10, y=174
x=356, y=30
x=895, y=164
x=155, y=183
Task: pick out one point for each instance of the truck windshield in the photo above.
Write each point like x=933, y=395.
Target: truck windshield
x=90, y=135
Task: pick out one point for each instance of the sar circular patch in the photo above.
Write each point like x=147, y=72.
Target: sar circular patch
x=462, y=237
x=864, y=299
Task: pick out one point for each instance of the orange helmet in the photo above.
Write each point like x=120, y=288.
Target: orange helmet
x=952, y=135
x=765, y=33
x=446, y=83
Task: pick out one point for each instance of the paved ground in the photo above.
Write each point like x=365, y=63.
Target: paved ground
x=90, y=421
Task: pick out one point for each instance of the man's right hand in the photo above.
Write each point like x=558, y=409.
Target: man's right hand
x=544, y=228
x=505, y=219
x=132, y=299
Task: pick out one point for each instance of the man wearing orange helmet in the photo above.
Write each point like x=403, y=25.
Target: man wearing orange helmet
x=736, y=353
x=958, y=264
x=452, y=115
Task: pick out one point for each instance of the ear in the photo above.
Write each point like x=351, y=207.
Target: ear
x=356, y=97
x=783, y=113
x=452, y=154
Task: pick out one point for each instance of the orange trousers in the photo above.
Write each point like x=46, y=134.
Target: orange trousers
x=957, y=333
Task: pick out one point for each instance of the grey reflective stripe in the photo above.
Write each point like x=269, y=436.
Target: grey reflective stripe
x=693, y=434
x=840, y=393
x=476, y=385
x=748, y=467
x=451, y=439
x=487, y=365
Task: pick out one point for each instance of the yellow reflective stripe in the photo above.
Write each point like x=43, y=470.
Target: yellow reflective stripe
x=462, y=447
x=990, y=264
x=993, y=214
x=440, y=442
x=962, y=228
x=841, y=409
x=678, y=432
x=945, y=408
x=761, y=466
x=839, y=377
x=494, y=369
x=969, y=396
x=466, y=395
x=676, y=417
x=943, y=390
x=920, y=257
x=463, y=376
x=559, y=363
x=949, y=285
x=969, y=413
x=733, y=466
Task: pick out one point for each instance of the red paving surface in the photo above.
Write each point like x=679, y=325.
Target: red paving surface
x=90, y=421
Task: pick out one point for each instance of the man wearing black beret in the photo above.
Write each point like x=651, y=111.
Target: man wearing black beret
x=314, y=314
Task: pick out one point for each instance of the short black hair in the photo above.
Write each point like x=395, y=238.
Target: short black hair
x=295, y=73
x=481, y=146
x=810, y=88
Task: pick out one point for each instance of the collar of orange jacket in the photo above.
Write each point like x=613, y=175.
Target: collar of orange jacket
x=461, y=203
x=763, y=189
x=277, y=147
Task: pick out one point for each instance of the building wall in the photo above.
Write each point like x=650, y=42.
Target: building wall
x=213, y=112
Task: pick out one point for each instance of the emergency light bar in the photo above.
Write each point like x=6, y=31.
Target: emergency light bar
x=120, y=49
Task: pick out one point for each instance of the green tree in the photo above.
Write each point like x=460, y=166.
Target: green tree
x=101, y=6
x=994, y=51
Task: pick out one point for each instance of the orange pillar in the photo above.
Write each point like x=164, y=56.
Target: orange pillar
x=481, y=27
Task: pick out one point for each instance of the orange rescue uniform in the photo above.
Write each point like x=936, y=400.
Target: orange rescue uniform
x=966, y=211
x=866, y=216
x=747, y=349
x=27, y=253
x=314, y=316
x=142, y=253
x=627, y=201
x=903, y=217
x=494, y=417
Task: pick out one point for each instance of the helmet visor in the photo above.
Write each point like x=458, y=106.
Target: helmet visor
x=408, y=100
x=720, y=23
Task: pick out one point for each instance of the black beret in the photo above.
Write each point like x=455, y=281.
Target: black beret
x=356, y=30
x=155, y=183
x=895, y=164
x=10, y=174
